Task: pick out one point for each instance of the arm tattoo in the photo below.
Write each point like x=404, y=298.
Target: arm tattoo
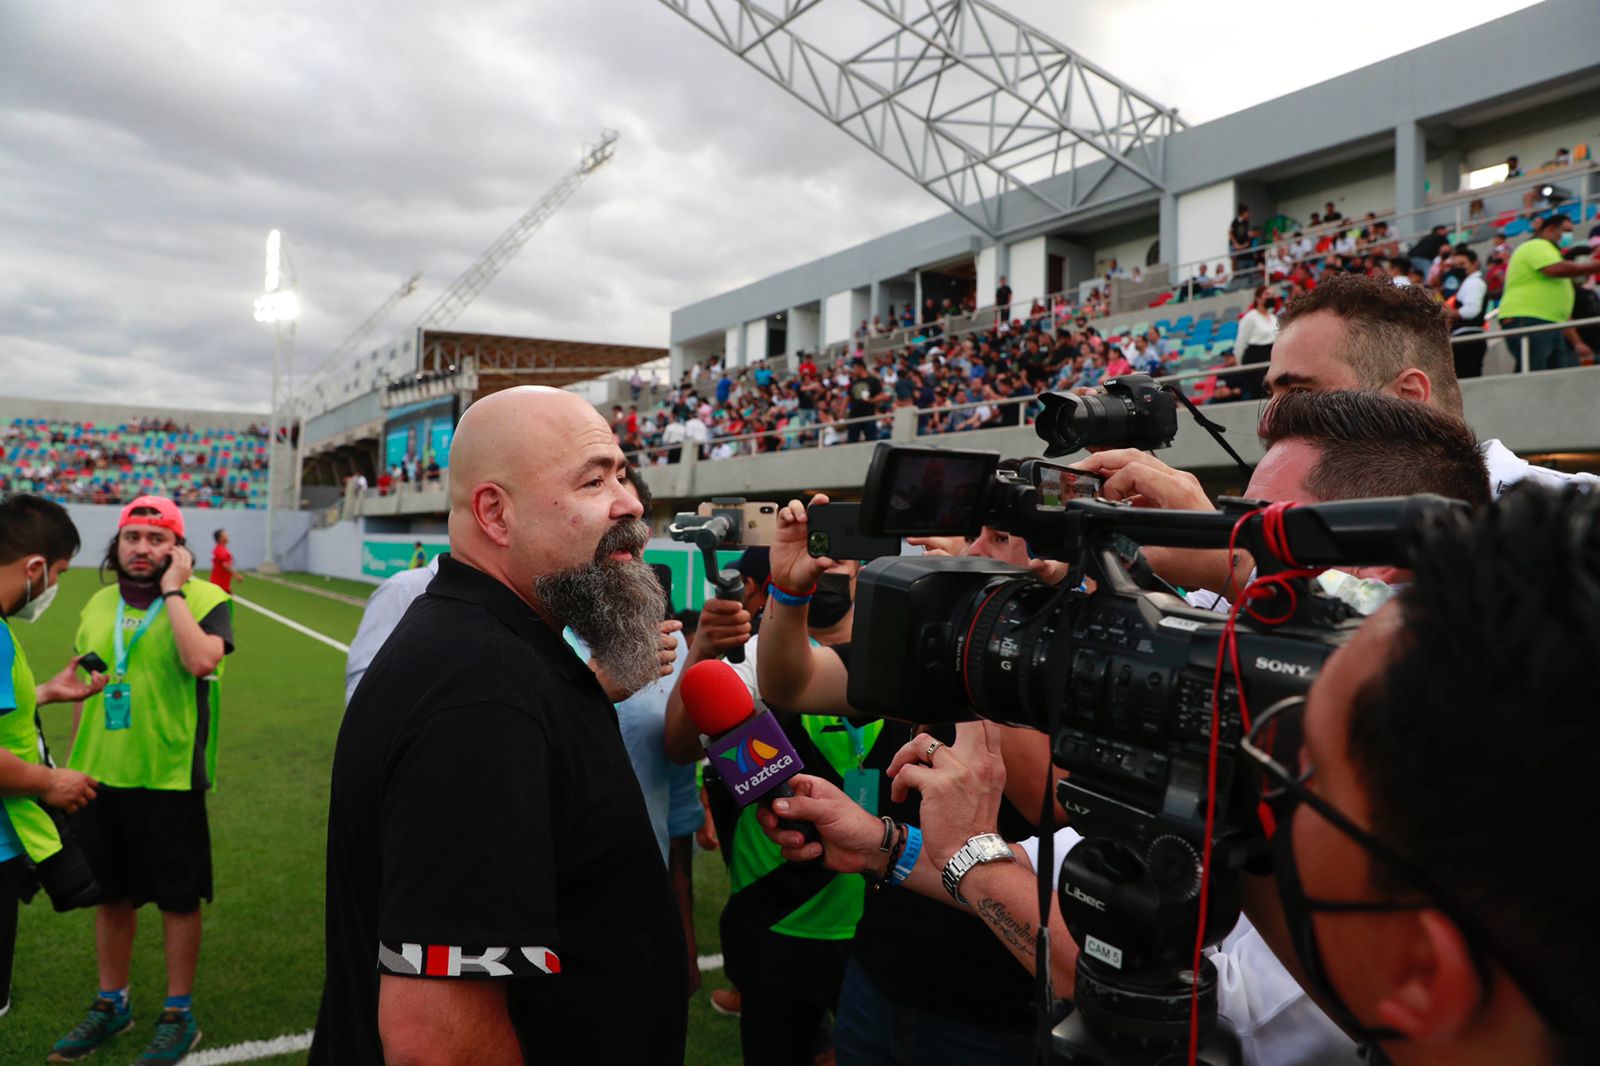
x=1018, y=932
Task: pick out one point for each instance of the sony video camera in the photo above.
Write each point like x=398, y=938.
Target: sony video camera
x=1121, y=677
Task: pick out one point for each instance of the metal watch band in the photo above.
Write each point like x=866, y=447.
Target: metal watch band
x=983, y=848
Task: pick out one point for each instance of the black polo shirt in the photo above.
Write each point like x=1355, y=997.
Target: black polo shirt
x=486, y=824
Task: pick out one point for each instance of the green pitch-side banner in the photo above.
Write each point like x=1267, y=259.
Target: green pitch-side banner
x=384, y=558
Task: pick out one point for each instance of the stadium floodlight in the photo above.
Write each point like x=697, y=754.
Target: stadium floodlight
x=280, y=307
x=277, y=307
x=276, y=304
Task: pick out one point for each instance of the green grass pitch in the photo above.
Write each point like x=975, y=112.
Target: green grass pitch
x=261, y=963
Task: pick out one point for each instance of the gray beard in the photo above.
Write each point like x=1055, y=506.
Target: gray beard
x=616, y=608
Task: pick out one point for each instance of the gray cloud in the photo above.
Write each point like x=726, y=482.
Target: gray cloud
x=146, y=148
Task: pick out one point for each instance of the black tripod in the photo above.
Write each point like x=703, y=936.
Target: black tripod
x=1132, y=912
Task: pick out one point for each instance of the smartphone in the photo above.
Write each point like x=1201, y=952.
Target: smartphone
x=755, y=524
x=835, y=533
x=1058, y=484
x=93, y=663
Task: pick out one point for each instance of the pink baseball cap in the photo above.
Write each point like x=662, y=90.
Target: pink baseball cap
x=167, y=515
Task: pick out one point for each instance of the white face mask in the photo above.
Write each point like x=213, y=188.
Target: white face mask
x=35, y=606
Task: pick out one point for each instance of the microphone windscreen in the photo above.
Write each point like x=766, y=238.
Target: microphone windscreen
x=715, y=697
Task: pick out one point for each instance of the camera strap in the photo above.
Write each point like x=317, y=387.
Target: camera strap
x=1215, y=429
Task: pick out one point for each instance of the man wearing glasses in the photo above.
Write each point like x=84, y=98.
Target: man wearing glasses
x=1420, y=890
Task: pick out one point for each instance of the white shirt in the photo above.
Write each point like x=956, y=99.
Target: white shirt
x=383, y=612
x=1471, y=294
x=1255, y=328
x=673, y=434
x=1506, y=468
x=1277, y=1023
x=697, y=431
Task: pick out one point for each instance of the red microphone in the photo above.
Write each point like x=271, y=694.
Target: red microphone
x=747, y=747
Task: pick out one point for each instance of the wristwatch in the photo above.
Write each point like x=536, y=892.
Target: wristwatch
x=983, y=848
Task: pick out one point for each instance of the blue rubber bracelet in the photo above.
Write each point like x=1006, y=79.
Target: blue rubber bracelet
x=908, y=857
x=787, y=600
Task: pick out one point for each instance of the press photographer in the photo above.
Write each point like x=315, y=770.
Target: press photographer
x=1319, y=446
x=1392, y=892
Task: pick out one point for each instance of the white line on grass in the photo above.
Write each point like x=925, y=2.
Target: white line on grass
x=710, y=962
x=292, y=624
x=251, y=1050
x=337, y=597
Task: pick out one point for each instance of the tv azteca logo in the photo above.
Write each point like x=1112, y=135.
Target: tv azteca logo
x=757, y=760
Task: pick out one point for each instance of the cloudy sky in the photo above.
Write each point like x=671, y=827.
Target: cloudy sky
x=146, y=147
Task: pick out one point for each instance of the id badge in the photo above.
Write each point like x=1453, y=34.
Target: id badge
x=862, y=786
x=119, y=706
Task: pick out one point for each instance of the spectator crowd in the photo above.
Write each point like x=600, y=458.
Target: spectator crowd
x=961, y=380
x=81, y=462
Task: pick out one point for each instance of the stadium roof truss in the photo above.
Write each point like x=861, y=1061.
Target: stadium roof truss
x=967, y=101
x=501, y=362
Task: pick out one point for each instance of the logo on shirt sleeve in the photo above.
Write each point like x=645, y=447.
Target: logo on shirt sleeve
x=450, y=960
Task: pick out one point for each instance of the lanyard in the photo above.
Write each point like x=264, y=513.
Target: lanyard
x=122, y=652
x=858, y=744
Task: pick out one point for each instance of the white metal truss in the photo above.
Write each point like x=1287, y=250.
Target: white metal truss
x=332, y=361
x=454, y=300
x=966, y=100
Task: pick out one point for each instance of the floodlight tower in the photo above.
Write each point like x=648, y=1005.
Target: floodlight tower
x=279, y=306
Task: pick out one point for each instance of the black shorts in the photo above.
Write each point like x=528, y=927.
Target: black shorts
x=148, y=846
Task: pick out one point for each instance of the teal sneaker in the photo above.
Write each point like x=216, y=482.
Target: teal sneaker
x=177, y=1034
x=103, y=1022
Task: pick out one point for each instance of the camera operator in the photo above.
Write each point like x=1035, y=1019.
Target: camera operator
x=1320, y=446
x=1392, y=891
x=1336, y=445
x=923, y=985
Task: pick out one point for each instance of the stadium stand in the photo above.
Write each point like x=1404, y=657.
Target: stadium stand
x=82, y=462
x=958, y=365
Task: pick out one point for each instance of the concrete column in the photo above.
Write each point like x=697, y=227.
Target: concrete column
x=733, y=346
x=988, y=274
x=1450, y=169
x=805, y=328
x=880, y=298
x=1029, y=272
x=1168, y=236
x=1410, y=172
x=904, y=428
x=836, y=324
x=677, y=363
x=860, y=308
x=755, y=341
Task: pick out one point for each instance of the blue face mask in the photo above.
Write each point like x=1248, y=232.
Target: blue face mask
x=1566, y=239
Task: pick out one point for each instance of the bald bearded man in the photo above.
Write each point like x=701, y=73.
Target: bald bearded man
x=494, y=890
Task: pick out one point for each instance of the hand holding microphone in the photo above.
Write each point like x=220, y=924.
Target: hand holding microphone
x=747, y=749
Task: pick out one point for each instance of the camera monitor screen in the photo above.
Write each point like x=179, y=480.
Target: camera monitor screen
x=928, y=492
x=1058, y=484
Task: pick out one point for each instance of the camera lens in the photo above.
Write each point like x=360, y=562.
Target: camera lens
x=1004, y=660
x=817, y=544
x=1069, y=423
